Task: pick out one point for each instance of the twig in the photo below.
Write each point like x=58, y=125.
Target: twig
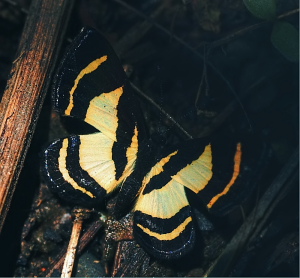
x=83, y=242
x=80, y=215
x=71, y=252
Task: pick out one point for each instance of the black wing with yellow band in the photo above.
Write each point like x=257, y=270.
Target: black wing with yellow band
x=92, y=86
x=162, y=214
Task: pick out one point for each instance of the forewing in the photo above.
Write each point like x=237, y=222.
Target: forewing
x=222, y=175
x=91, y=85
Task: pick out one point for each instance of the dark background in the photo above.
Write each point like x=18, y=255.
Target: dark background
x=212, y=66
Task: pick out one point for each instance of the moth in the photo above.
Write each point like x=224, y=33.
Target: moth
x=91, y=85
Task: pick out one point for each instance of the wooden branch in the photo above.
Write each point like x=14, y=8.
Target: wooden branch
x=29, y=79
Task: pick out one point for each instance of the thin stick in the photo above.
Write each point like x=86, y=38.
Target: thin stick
x=85, y=239
x=71, y=252
x=80, y=215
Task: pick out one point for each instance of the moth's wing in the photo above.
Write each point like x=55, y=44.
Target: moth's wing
x=162, y=215
x=237, y=167
x=81, y=168
x=216, y=172
x=163, y=222
x=91, y=85
x=226, y=177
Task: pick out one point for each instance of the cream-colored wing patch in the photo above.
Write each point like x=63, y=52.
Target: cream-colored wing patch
x=95, y=153
x=102, y=112
x=164, y=202
x=196, y=175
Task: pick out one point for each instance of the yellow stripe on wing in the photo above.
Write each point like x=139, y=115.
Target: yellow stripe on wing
x=88, y=69
x=169, y=236
x=62, y=164
x=157, y=168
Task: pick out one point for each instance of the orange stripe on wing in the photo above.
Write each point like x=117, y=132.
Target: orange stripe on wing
x=236, y=172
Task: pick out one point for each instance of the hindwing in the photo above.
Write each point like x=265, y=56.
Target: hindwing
x=91, y=85
x=162, y=215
